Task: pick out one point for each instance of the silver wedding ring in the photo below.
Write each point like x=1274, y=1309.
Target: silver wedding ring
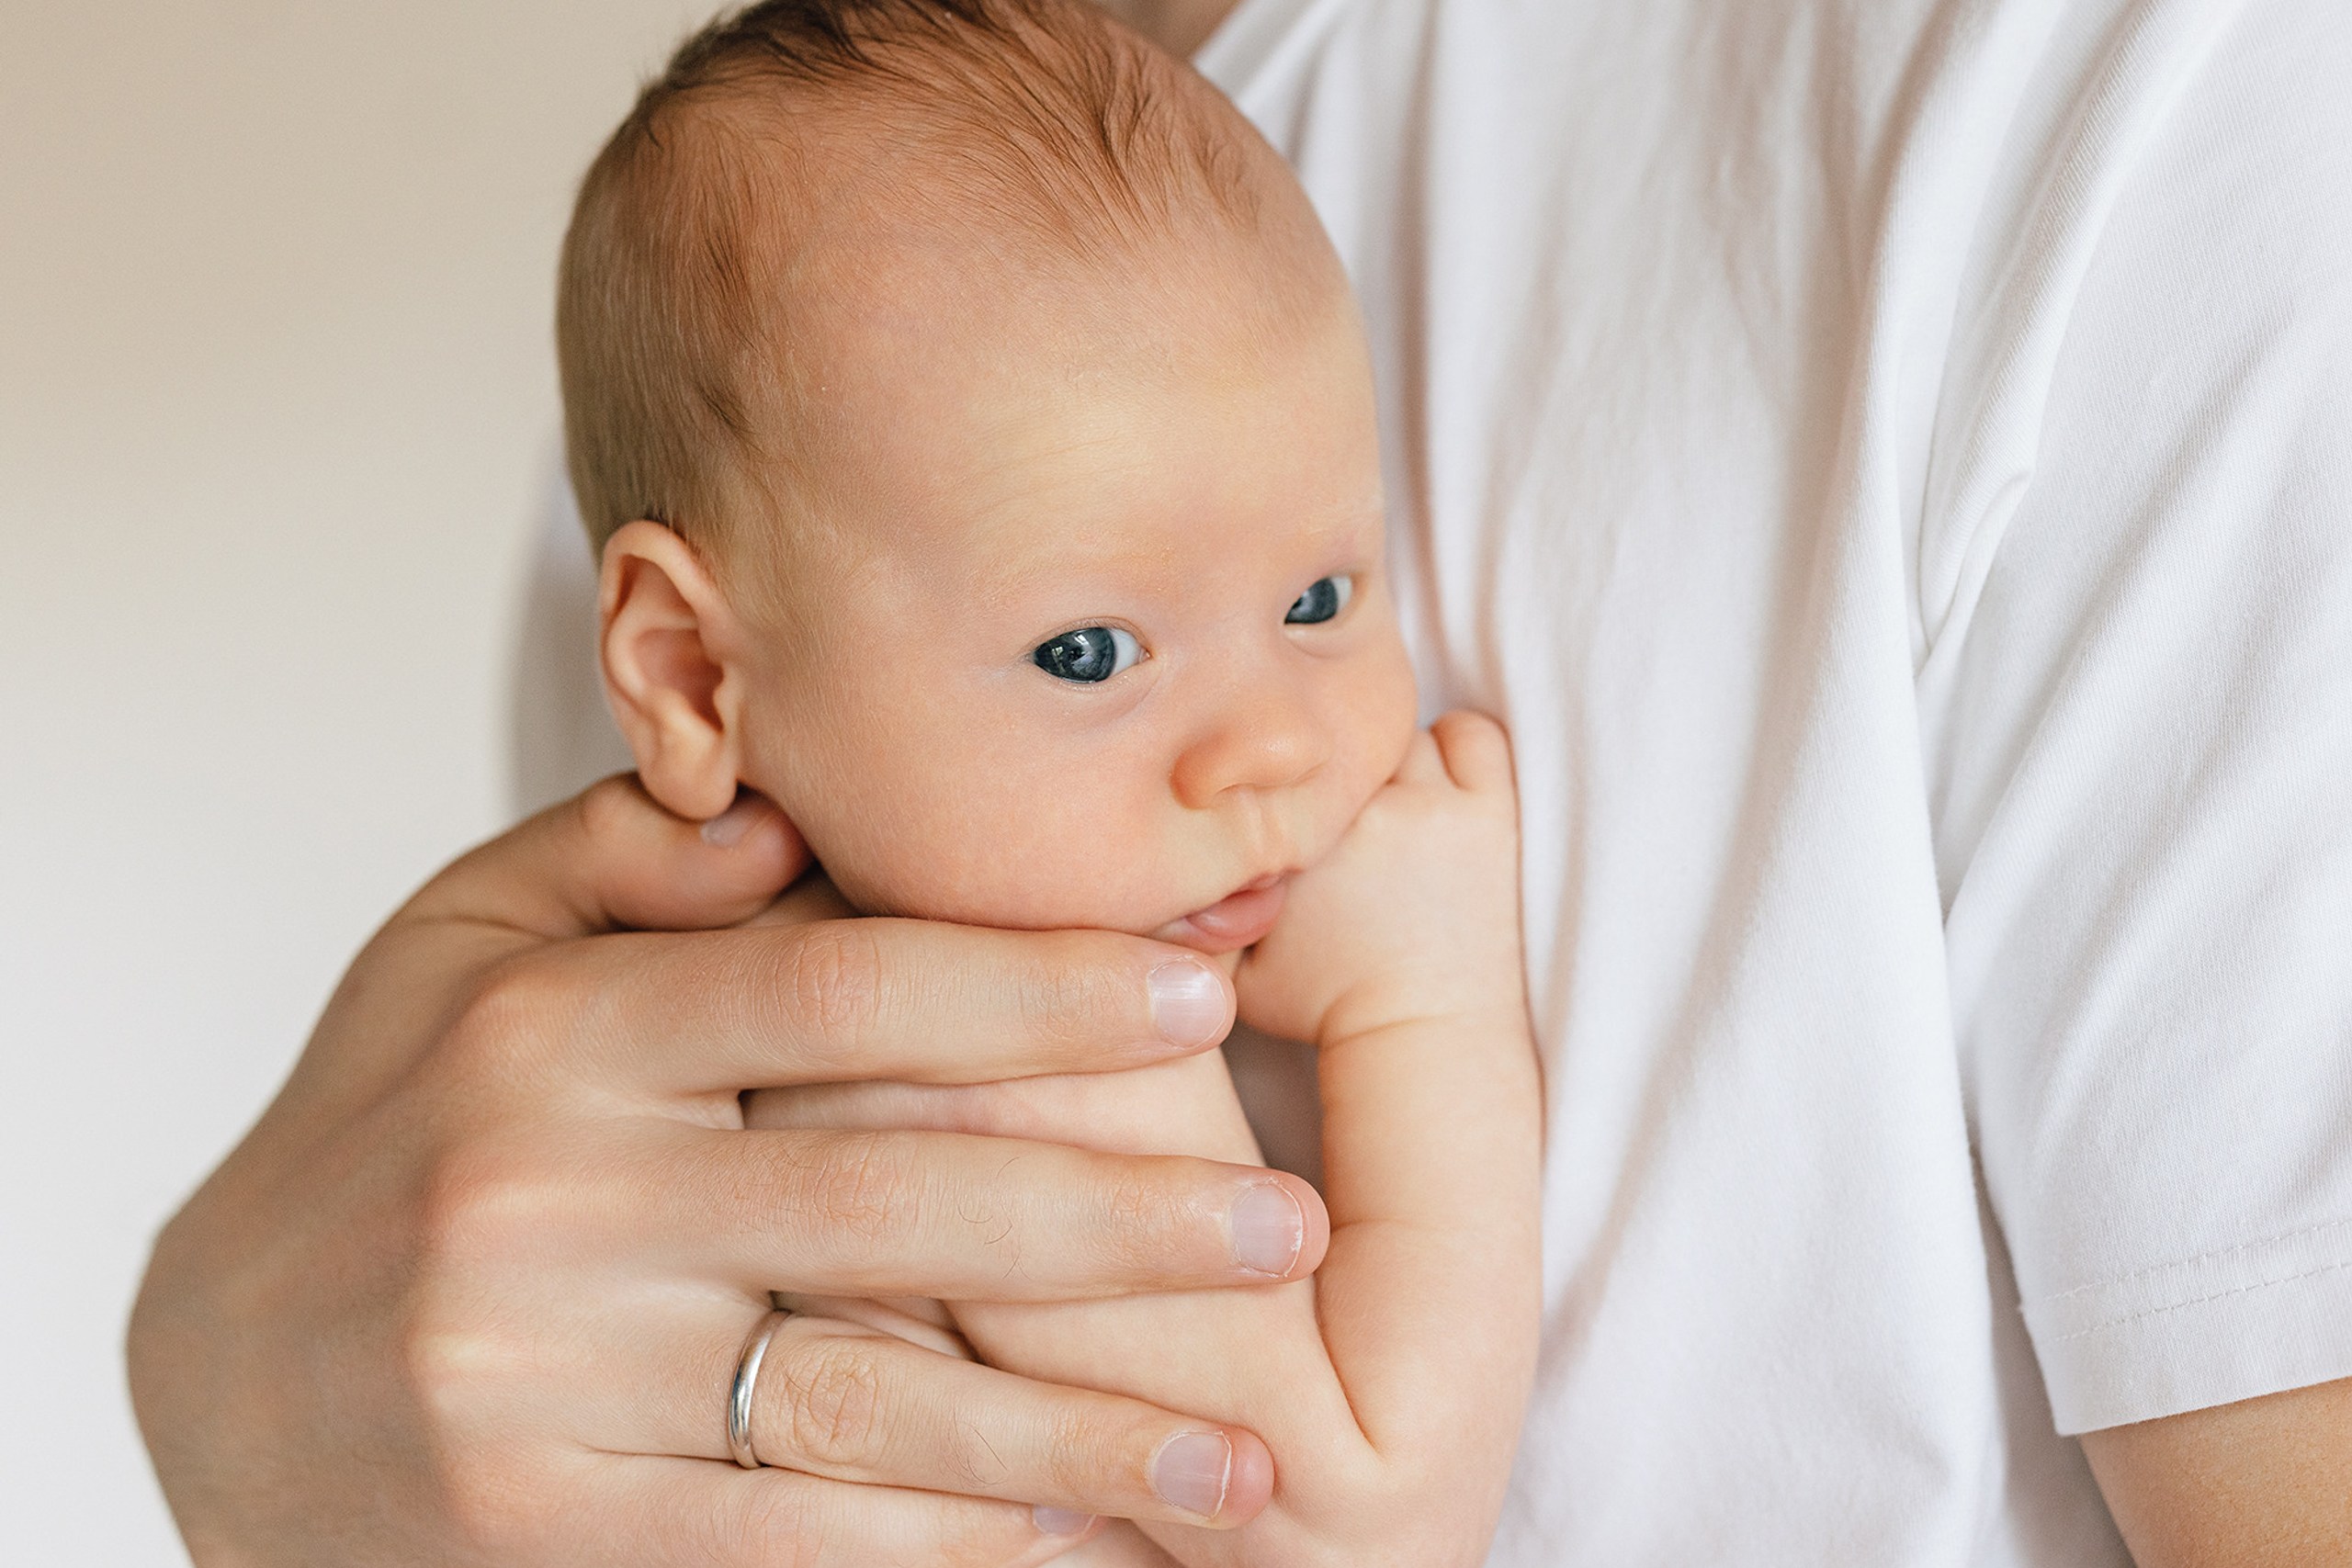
x=747, y=1383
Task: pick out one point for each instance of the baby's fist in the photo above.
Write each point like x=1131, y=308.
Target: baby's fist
x=1415, y=913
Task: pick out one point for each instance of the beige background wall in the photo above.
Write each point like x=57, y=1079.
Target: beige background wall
x=276, y=412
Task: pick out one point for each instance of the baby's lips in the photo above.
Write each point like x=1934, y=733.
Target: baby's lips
x=1232, y=922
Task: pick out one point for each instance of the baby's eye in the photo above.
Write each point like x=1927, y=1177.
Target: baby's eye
x=1090, y=653
x=1320, y=602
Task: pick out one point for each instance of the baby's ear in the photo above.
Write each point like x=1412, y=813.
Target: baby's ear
x=664, y=625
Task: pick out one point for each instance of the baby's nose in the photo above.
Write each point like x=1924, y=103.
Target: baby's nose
x=1271, y=739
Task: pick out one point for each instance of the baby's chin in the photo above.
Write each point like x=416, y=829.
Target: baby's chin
x=1234, y=921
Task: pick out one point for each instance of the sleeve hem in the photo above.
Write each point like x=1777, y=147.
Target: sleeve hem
x=2230, y=1325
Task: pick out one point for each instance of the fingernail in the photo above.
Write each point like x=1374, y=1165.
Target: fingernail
x=1187, y=1002
x=1191, y=1472
x=1060, y=1521
x=1268, y=1230
x=726, y=829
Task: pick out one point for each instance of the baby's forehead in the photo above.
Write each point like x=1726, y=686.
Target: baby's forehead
x=900, y=324
x=1003, y=464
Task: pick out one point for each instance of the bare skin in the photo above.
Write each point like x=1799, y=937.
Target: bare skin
x=2261, y=1484
x=471, y=1291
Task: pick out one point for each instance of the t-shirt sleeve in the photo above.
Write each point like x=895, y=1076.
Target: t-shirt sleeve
x=2140, y=763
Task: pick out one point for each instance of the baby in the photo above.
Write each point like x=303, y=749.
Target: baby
x=978, y=433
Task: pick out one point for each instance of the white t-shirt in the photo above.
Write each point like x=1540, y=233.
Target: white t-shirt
x=1891, y=465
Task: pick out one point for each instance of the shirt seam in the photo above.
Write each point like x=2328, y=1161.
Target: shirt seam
x=2191, y=1262
x=2131, y=1318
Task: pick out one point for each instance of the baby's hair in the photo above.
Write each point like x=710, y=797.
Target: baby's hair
x=1040, y=119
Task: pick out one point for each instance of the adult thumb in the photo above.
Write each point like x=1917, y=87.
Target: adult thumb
x=613, y=859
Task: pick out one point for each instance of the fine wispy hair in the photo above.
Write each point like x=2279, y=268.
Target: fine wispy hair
x=1038, y=123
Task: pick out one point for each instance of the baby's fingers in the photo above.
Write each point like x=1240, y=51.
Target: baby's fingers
x=1424, y=766
x=1474, y=752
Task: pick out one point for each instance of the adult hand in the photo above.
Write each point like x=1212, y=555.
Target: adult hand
x=473, y=1289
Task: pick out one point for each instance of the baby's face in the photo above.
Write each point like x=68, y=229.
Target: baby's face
x=1097, y=629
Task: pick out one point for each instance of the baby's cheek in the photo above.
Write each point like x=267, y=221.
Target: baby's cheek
x=1389, y=715
x=1047, y=860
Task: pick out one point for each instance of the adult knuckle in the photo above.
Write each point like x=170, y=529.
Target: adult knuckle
x=604, y=809
x=1077, y=1455
x=1139, y=1216
x=1132, y=1196
x=446, y=1352
x=833, y=1390
x=831, y=981
x=853, y=1183
x=980, y=1538
x=502, y=1018
x=436, y=1359
x=476, y=1203
x=977, y=1463
x=1065, y=995
x=778, y=1525
x=456, y=1376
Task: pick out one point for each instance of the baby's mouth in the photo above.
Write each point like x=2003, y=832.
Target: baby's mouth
x=1232, y=922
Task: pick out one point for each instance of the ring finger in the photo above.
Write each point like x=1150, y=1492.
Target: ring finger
x=843, y=1401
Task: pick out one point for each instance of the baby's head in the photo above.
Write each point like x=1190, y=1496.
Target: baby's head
x=979, y=433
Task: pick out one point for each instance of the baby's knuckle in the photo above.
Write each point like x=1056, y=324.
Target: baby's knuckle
x=832, y=1392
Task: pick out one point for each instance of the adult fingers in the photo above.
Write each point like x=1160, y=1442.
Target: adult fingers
x=690, y=1512
x=718, y=1012
x=613, y=858
x=958, y=1217
x=845, y=1401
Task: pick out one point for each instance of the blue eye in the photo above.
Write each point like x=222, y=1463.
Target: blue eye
x=1088, y=654
x=1320, y=602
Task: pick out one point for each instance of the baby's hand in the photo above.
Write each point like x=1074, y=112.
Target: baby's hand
x=1415, y=915
x=1389, y=1387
